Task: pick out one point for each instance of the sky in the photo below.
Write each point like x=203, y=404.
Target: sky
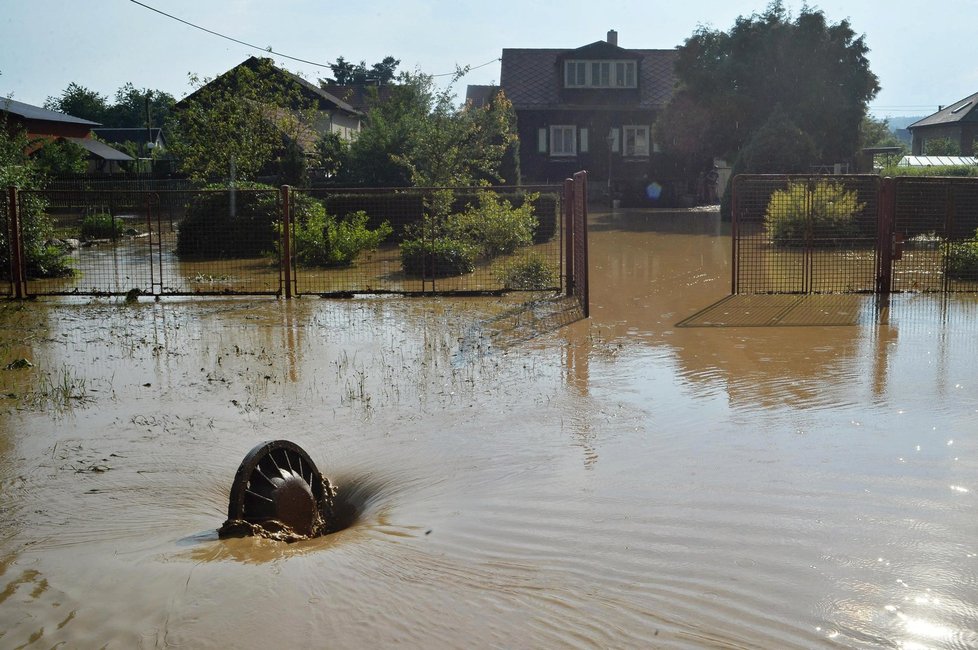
x=925, y=54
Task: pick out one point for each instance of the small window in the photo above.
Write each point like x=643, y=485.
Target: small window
x=582, y=141
x=636, y=140
x=563, y=140
x=542, y=140
x=615, y=137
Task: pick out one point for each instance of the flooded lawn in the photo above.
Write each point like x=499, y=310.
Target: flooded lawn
x=522, y=477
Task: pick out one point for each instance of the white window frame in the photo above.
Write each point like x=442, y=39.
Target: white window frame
x=600, y=73
x=558, y=140
x=632, y=145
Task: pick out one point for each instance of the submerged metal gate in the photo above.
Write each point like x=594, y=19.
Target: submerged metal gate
x=853, y=233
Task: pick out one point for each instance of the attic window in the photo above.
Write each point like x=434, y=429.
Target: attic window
x=961, y=107
x=599, y=74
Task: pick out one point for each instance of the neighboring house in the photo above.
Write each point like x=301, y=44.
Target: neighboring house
x=957, y=122
x=589, y=108
x=336, y=115
x=144, y=141
x=361, y=97
x=43, y=126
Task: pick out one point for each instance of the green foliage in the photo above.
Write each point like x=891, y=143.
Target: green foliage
x=437, y=257
x=876, y=133
x=418, y=136
x=962, y=260
x=324, y=240
x=246, y=123
x=494, y=226
x=60, y=157
x=17, y=169
x=729, y=82
x=79, y=101
x=100, y=226
x=812, y=213
x=134, y=108
x=348, y=73
x=531, y=273
x=942, y=170
x=212, y=231
x=942, y=147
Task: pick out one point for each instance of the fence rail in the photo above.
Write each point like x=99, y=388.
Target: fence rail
x=854, y=233
x=287, y=242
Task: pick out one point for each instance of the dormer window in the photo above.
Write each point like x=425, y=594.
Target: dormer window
x=599, y=74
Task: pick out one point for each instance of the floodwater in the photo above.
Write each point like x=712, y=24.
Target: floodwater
x=523, y=477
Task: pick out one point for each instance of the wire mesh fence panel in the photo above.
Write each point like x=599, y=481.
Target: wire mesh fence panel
x=86, y=242
x=805, y=234
x=6, y=254
x=935, y=223
x=425, y=240
x=220, y=242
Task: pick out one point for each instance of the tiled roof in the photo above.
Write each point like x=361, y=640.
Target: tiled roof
x=531, y=79
x=960, y=111
x=480, y=95
x=100, y=149
x=29, y=112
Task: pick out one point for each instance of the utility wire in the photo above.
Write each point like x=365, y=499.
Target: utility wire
x=284, y=56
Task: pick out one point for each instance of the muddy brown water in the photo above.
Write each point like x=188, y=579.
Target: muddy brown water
x=523, y=477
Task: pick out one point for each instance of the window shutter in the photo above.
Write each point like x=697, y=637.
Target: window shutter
x=615, y=140
x=542, y=140
x=583, y=142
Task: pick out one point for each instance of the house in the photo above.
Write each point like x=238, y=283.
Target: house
x=957, y=122
x=337, y=116
x=589, y=108
x=142, y=140
x=361, y=97
x=44, y=126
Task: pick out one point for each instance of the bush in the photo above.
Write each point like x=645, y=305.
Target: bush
x=211, y=231
x=943, y=170
x=962, y=260
x=495, y=227
x=100, y=226
x=818, y=213
x=533, y=272
x=323, y=240
x=437, y=257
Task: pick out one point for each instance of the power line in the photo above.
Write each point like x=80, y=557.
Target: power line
x=285, y=56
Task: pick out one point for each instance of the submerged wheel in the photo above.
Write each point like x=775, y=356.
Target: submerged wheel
x=277, y=483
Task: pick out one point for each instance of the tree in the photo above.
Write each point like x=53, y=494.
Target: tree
x=346, y=73
x=941, y=147
x=19, y=170
x=730, y=82
x=79, y=101
x=136, y=108
x=419, y=136
x=250, y=123
x=876, y=133
x=60, y=157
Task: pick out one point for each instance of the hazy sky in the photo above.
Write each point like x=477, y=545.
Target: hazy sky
x=925, y=54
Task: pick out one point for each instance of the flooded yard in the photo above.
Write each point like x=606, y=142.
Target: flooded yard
x=523, y=477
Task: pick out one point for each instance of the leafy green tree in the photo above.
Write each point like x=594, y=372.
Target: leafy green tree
x=730, y=82
x=250, y=123
x=134, y=108
x=348, y=73
x=60, y=157
x=79, y=101
x=419, y=136
x=876, y=133
x=19, y=170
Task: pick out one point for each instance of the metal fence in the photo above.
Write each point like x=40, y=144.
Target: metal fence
x=854, y=233
x=291, y=242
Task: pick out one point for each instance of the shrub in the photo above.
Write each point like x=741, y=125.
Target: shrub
x=817, y=213
x=324, y=240
x=210, y=230
x=494, y=226
x=100, y=226
x=936, y=170
x=962, y=260
x=533, y=272
x=437, y=257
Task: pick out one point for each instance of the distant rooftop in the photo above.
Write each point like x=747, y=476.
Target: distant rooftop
x=30, y=112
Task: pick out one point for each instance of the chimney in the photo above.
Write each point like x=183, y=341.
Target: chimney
x=613, y=37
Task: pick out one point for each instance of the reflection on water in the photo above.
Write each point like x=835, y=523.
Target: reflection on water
x=522, y=477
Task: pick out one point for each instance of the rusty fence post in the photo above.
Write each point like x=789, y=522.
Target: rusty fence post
x=286, y=258
x=567, y=210
x=15, y=244
x=886, y=238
